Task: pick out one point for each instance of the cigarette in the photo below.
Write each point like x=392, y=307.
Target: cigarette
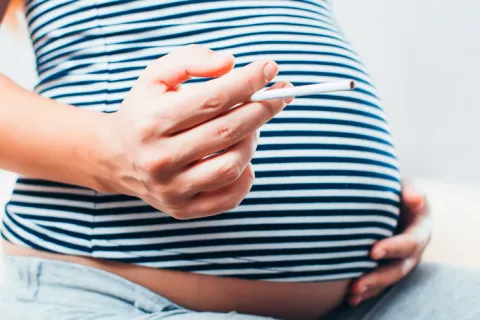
x=307, y=90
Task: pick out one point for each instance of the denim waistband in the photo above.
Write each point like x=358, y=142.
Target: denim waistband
x=24, y=276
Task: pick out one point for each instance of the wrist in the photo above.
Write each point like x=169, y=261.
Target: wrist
x=113, y=166
x=104, y=152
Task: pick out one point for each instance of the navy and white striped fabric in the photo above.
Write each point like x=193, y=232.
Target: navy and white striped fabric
x=327, y=183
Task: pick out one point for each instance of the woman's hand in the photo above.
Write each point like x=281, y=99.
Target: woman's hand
x=162, y=134
x=405, y=249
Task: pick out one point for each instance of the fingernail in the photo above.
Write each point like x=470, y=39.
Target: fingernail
x=289, y=99
x=270, y=70
x=408, y=265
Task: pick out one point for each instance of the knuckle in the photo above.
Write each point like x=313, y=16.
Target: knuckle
x=178, y=214
x=250, y=85
x=165, y=161
x=148, y=128
x=231, y=171
x=213, y=101
x=250, y=173
x=156, y=165
x=189, y=188
x=146, y=165
x=184, y=213
x=172, y=194
x=228, y=134
x=185, y=189
x=230, y=204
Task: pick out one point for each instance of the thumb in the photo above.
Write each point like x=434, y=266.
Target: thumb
x=190, y=61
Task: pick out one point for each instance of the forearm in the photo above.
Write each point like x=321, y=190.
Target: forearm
x=45, y=139
x=3, y=8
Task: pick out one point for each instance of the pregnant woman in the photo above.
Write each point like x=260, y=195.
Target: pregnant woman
x=142, y=197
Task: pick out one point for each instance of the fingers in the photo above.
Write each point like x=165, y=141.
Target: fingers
x=180, y=65
x=220, y=200
x=375, y=282
x=412, y=241
x=220, y=170
x=397, y=247
x=204, y=101
x=230, y=128
x=406, y=249
x=387, y=275
x=356, y=300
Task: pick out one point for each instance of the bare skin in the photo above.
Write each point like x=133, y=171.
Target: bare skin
x=154, y=149
x=404, y=250
x=287, y=301
x=53, y=142
x=3, y=8
x=207, y=293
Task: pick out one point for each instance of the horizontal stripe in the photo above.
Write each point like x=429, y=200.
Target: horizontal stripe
x=152, y=240
x=348, y=246
x=327, y=181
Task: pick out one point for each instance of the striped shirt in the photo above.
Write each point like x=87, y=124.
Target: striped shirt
x=327, y=181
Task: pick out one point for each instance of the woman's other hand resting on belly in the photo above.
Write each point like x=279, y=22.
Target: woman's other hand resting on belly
x=405, y=249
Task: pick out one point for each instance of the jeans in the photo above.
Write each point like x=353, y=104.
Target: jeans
x=431, y=292
x=54, y=290
x=45, y=289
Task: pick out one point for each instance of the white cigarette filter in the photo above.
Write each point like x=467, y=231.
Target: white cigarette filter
x=307, y=90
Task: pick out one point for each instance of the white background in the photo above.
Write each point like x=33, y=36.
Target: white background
x=424, y=58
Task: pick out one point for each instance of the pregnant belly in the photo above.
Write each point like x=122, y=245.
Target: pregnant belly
x=215, y=294
x=327, y=187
